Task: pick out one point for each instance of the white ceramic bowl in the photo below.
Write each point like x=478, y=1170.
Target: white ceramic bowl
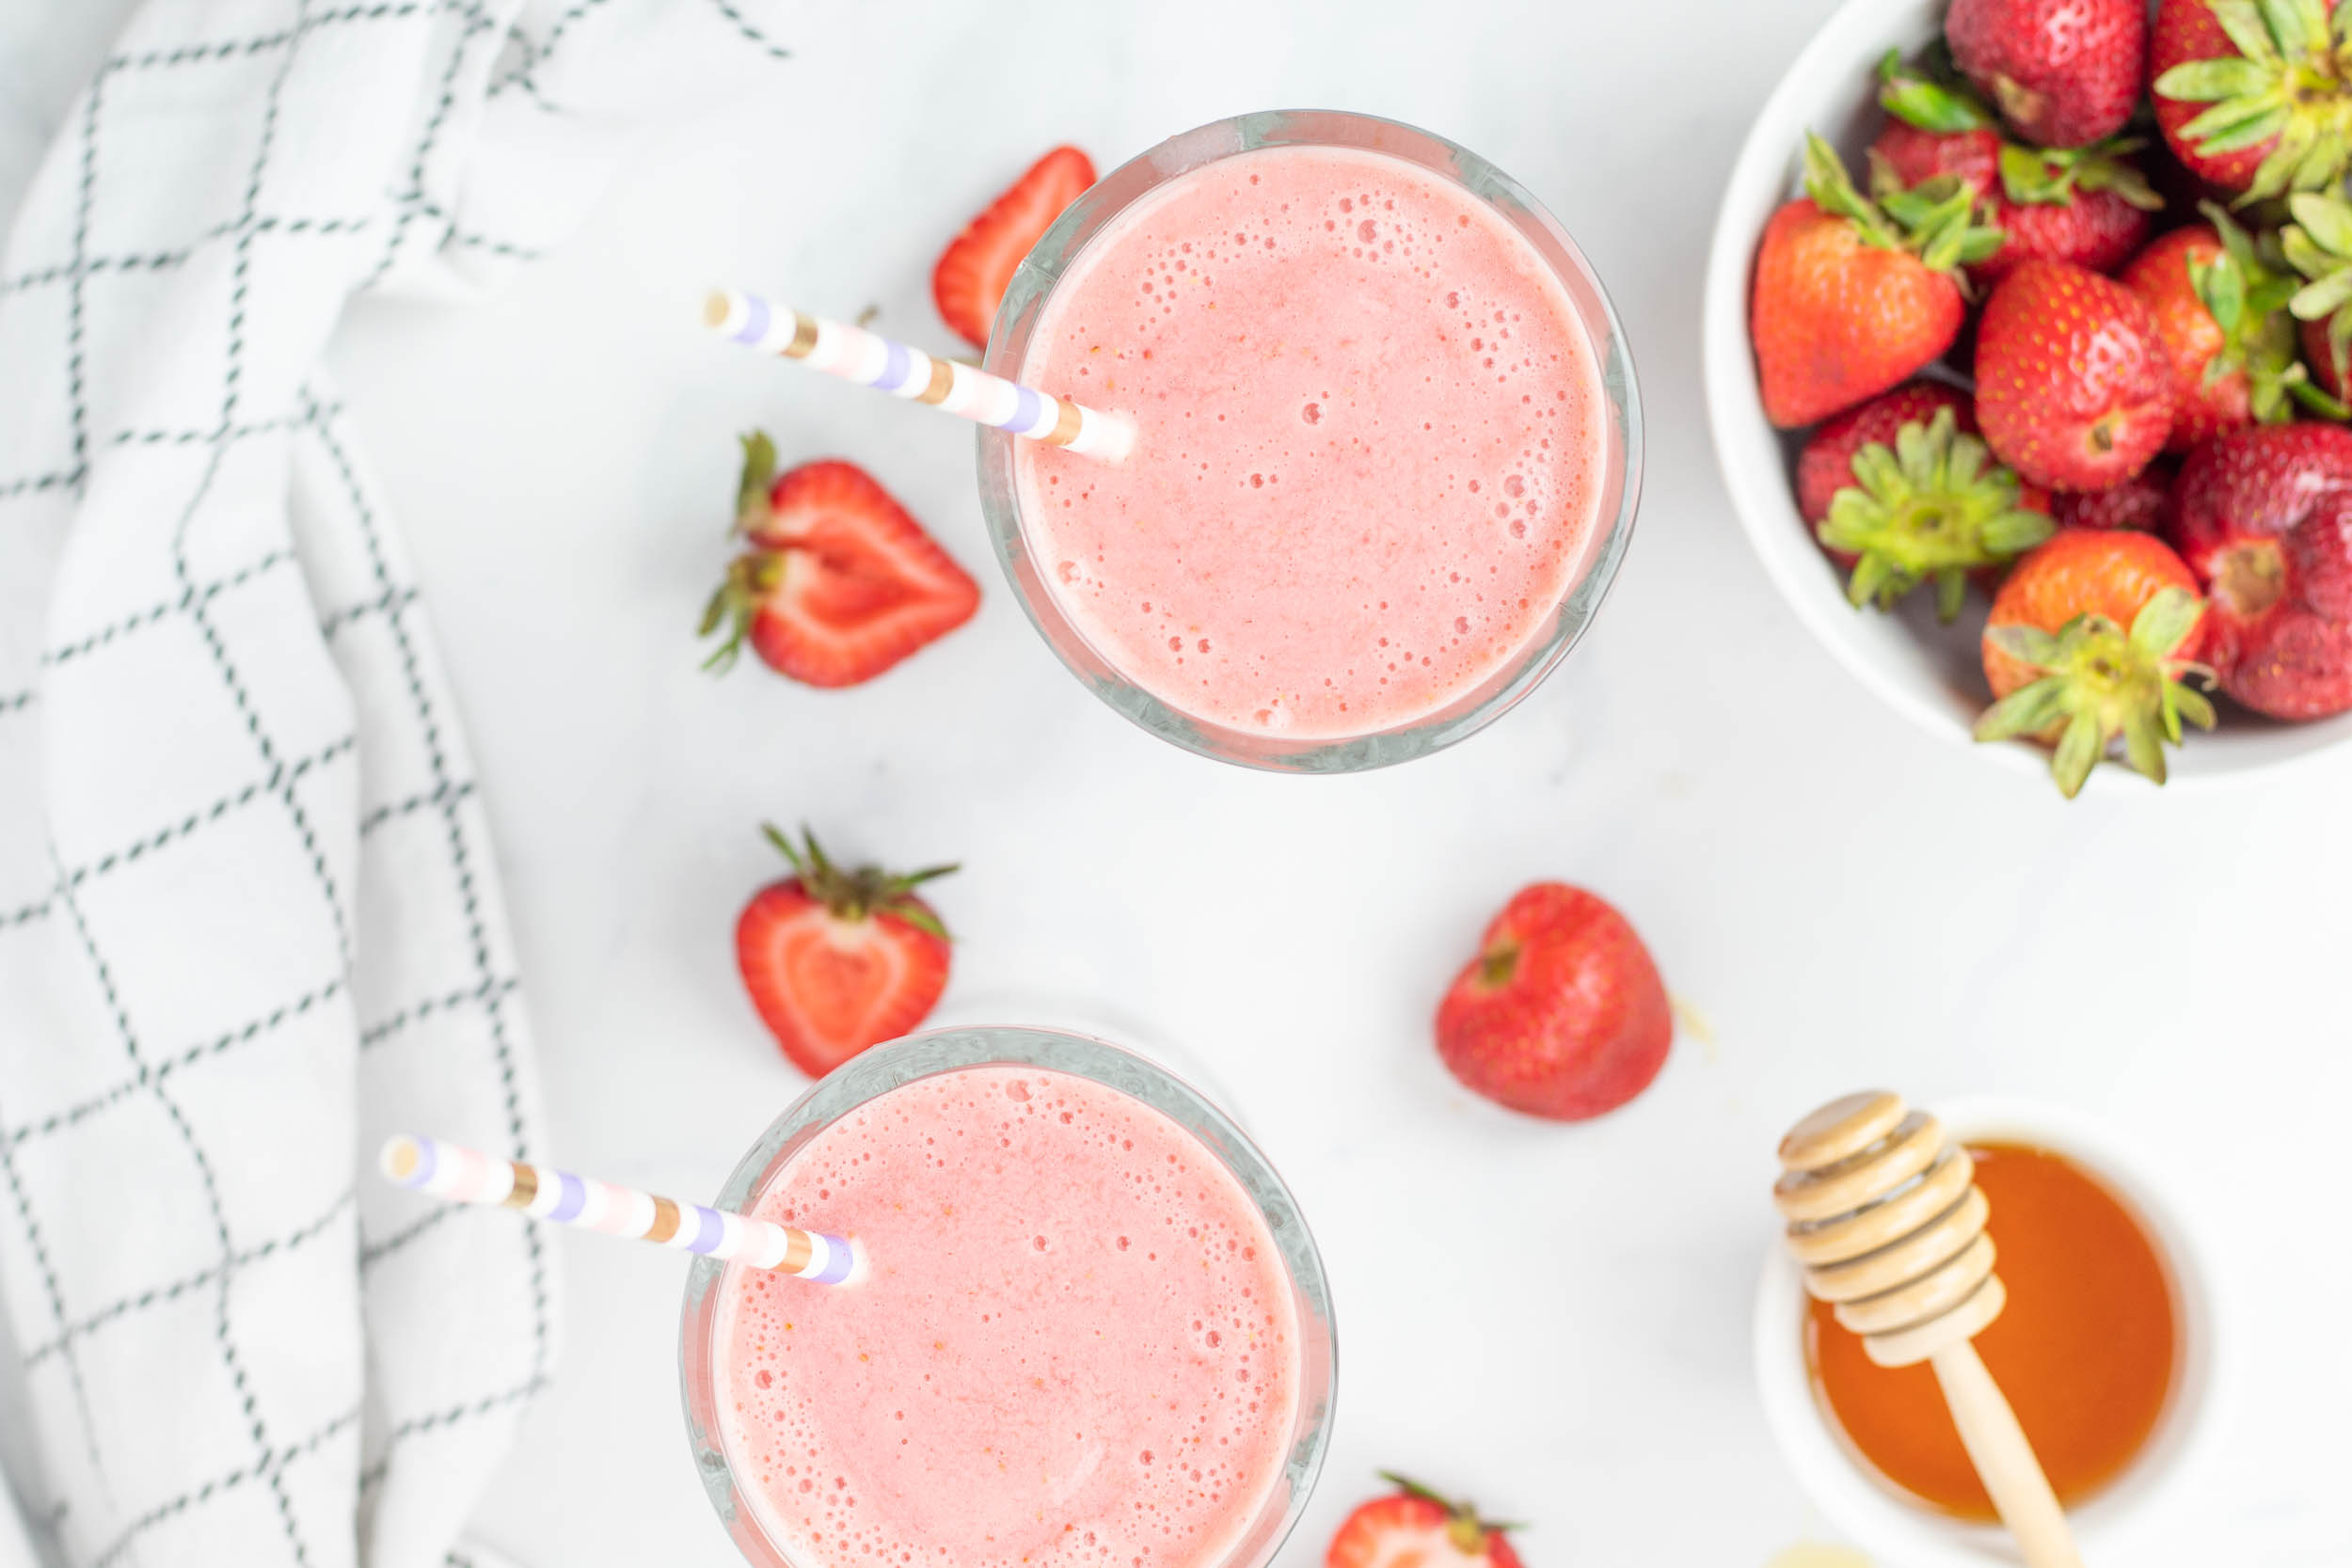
x=1928, y=673
x=2114, y=1525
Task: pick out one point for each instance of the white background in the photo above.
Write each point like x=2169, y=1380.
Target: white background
x=1849, y=902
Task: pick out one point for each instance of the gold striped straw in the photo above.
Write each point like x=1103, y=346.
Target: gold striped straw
x=458, y=1174
x=870, y=359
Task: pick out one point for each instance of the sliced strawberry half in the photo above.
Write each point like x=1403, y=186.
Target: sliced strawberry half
x=839, y=961
x=1415, y=1528
x=839, y=584
x=972, y=276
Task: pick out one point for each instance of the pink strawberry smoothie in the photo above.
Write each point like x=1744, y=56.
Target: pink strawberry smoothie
x=1370, y=453
x=1076, y=1344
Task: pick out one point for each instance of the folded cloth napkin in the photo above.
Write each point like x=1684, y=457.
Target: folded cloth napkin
x=250, y=921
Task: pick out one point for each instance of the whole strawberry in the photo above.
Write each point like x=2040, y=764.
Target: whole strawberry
x=839, y=583
x=2065, y=72
x=2087, y=205
x=1851, y=298
x=2220, y=313
x=2142, y=503
x=1562, y=1014
x=2092, y=640
x=2074, y=389
x=839, y=961
x=2264, y=519
x=1415, y=1528
x=1902, y=491
x=2253, y=95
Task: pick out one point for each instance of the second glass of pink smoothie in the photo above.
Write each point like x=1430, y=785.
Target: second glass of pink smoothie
x=1388, y=441
x=1092, y=1331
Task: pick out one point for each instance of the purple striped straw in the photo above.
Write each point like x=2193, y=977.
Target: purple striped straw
x=468, y=1176
x=869, y=359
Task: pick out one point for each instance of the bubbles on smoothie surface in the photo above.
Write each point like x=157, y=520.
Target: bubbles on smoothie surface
x=976, y=1291
x=1302, y=446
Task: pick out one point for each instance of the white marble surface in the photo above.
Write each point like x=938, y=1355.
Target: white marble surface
x=1846, y=900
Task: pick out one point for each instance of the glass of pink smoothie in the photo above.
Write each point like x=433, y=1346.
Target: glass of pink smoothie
x=1094, y=1330
x=1388, y=441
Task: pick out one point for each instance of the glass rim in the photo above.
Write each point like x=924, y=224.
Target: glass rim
x=876, y=1071
x=1580, y=602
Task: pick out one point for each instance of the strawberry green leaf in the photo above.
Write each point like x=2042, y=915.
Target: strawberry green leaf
x=2315, y=400
x=918, y=916
x=2029, y=711
x=2106, y=167
x=2243, y=21
x=2326, y=220
x=1951, y=592
x=2185, y=702
x=783, y=846
x=2221, y=285
x=2315, y=300
x=2102, y=684
x=2030, y=179
x=2026, y=644
x=1934, y=506
x=1916, y=99
x=1833, y=190
x=751, y=490
x=2165, y=621
x=2215, y=80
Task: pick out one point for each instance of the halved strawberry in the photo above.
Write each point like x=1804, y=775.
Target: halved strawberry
x=838, y=960
x=971, y=278
x=1415, y=1528
x=839, y=584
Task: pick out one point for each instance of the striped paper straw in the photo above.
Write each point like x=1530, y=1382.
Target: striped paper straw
x=856, y=354
x=467, y=1176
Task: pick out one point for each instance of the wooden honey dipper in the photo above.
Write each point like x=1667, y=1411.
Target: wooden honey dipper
x=1885, y=1215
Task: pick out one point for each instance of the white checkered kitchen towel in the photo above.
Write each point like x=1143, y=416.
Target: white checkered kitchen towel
x=249, y=918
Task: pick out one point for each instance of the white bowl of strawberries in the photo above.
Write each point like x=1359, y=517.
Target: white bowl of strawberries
x=2044, y=441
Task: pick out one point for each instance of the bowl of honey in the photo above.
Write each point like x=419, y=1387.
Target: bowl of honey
x=2104, y=1350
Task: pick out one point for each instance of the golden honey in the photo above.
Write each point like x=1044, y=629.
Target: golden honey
x=2086, y=1350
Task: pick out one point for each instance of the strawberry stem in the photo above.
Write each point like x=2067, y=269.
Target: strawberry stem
x=751, y=489
x=856, y=894
x=1933, y=508
x=1467, y=1529
x=2099, y=682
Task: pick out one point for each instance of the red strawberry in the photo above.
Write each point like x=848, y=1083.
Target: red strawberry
x=2072, y=387
x=978, y=266
x=2089, y=639
x=839, y=584
x=2142, y=502
x=1562, y=1014
x=1852, y=298
x=2265, y=518
x=1414, y=1528
x=837, y=961
x=2087, y=205
x=2221, y=315
x=2065, y=72
x=1902, y=492
x=2253, y=98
